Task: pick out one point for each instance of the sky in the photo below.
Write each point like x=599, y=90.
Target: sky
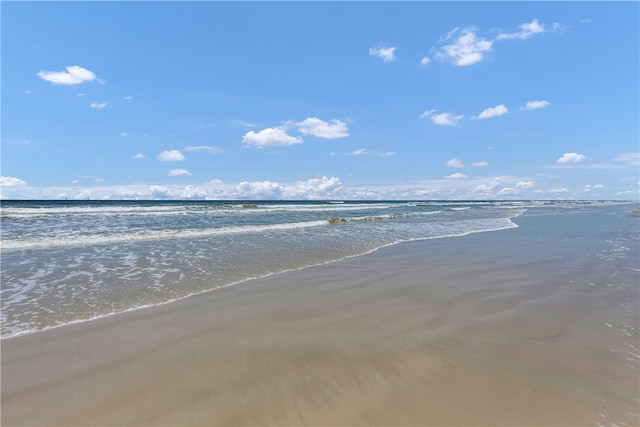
x=320, y=100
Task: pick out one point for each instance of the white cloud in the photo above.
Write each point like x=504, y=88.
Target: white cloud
x=467, y=49
x=139, y=156
x=73, y=76
x=314, y=188
x=171, y=156
x=270, y=137
x=11, y=181
x=99, y=106
x=469, y=188
x=588, y=187
x=480, y=164
x=496, y=111
x=456, y=175
x=526, y=31
x=205, y=148
x=446, y=119
x=488, y=186
x=360, y=152
x=425, y=60
x=454, y=163
x=365, y=152
x=128, y=98
x=571, y=158
x=386, y=53
x=534, y=105
x=124, y=134
x=80, y=94
x=442, y=119
x=631, y=159
x=525, y=184
x=316, y=127
x=159, y=192
x=178, y=172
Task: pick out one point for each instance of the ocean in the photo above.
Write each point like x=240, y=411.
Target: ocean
x=71, y=261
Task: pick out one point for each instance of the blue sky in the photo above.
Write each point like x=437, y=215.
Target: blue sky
x=322, y=100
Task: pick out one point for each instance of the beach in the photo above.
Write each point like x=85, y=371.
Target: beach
x=534, y=325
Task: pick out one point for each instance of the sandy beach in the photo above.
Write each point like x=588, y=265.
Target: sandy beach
x=526, y=326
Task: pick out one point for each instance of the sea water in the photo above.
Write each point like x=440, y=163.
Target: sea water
x=70, y=261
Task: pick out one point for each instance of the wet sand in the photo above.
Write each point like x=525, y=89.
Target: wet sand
x=530, y=326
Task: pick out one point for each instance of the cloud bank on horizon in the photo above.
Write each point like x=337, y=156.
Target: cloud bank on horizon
x=383, y=111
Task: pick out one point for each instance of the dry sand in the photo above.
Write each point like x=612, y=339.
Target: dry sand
x=462, y=331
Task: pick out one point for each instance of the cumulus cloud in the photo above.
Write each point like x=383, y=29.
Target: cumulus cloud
x=456, y=175
x=442, y=119
x=171, y=156
x=270, y=137
x=205, y=148
x=467, y=47
x=316, y=127
x=446, y=119
x=455, y=187
x=571, y=158
x=139, y=156
x=98, y=105
x=386, y=53
x=454, y=163
x=525, y=31
x=178, y=172
x=159, y=192
x=11, y=181
x=72, y=76
x=314, y=188
x=480, y=164
x=496, y=111
x=534, y=105
x=425, y=60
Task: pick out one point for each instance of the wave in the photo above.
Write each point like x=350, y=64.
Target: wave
x=147, y=235
x=13, y=213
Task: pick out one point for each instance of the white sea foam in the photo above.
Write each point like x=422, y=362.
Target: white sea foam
x=146, y=235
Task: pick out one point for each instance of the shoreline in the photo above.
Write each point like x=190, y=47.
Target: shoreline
x=517, y=326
